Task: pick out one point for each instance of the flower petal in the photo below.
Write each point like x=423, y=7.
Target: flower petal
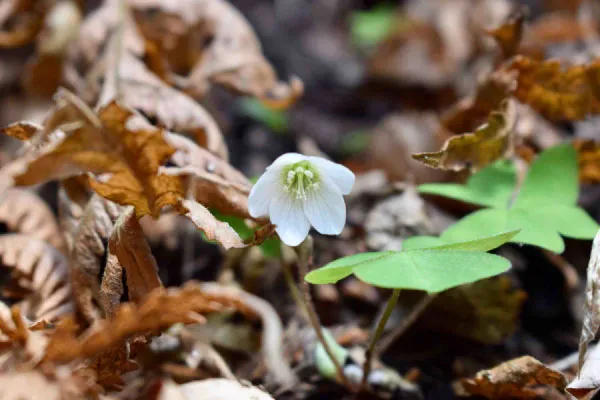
x=263, y=191
x=325, y=208
x=287, y=214
x=341, y=176
x=287, y=159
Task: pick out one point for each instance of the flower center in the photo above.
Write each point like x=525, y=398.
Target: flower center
x=300, y=179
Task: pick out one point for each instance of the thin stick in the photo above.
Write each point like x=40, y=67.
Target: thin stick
x=304, y=301
x=391, y=303
x=404, y=324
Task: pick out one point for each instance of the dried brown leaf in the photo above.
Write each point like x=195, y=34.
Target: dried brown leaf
x=22, y=130
x=125, y=159
x=515, y=379
x=128, y=244
x=488, y=143
x=159, y=310
x=26, y=213
x=216, y=184
x=69, y=214
x=136, y=181
x=586, y=383
x=130, y=175
x=41, y=270
x=556, y=91
x=212, y=227
x=588, y=157
x=472, y=111
x=89, y=240
x=111, y=286
x=212, y=43
x=139, y=89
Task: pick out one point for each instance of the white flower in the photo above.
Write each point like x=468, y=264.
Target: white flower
x=298, y=191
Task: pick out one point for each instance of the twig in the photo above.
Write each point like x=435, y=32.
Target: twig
x=304, y=301
x=389, y=307
x=406, y=322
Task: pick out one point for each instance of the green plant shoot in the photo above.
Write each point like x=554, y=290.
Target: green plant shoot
x=543, y=209
x=368, y=28
x=443, y=265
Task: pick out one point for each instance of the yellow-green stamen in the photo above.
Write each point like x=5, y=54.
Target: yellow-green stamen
x=300, y=179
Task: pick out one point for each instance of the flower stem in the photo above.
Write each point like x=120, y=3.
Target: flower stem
x=389, y=307
x=304, y=301
x=406, y=323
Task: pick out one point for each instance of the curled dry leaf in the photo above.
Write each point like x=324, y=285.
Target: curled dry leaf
x=128, y=244
x=557, y=92
x=125, y=153
x=89, y=246
x=212, y=227
x=490, y=142
x=26, y=213
x=472, y=111
x=139, y=89
x=125, y=160
x=521, y=378
x=220, y=48
x=586, y=383
x=159, y=310
x=69, y=214
x=136, y=180
x=42, y=272
x=21, y=130
x=591, y=312
x=127, y=79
